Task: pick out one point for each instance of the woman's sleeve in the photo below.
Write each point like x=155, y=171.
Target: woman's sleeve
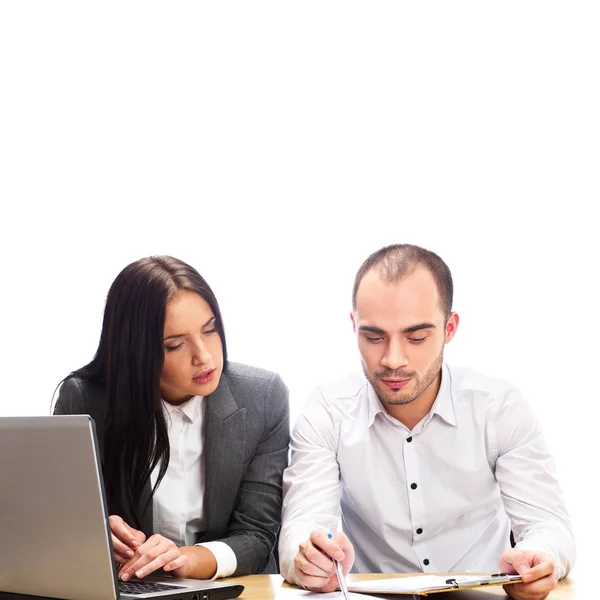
x=256, y=519
x=70, y=399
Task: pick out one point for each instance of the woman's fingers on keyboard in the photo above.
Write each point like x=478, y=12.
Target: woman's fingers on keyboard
x=152, y=555
x=128, y=537
x=122, y=552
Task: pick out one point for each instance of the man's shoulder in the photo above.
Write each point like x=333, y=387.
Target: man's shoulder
x=464, y=379
x=344, y=389
x=332, y=404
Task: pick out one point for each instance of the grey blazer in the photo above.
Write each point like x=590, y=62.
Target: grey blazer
x=246, y=450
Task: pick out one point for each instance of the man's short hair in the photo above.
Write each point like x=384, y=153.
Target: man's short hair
x=395, y=261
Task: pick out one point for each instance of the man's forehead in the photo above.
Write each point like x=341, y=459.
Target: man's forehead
x=411, y=299
x=416, y=284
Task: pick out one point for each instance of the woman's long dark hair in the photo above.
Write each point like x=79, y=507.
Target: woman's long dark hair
x=128, y=364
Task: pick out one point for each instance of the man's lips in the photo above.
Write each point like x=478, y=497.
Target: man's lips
x=395, y=384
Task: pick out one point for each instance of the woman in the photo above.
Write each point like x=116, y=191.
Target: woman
x=193, y=447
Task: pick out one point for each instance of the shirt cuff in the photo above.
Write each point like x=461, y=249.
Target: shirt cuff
x=559, y=568
x=290, y=576
x=225, y=557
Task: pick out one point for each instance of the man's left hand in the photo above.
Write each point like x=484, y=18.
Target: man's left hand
x=536, y=570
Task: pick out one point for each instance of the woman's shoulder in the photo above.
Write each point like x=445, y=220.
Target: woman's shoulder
x=239, y=370
x=77, y=395
x=254, y=382
x=77, y=384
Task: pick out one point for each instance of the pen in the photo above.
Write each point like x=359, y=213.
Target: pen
x=340, y=575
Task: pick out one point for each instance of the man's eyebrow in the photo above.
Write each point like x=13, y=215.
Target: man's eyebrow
x=418, y=327
x=411, y=329
x=180, y=335
x=371, y=329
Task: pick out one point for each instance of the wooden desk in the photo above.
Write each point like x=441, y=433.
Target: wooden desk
x=264, y=587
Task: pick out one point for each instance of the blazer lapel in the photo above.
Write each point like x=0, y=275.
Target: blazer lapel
x=224, y=454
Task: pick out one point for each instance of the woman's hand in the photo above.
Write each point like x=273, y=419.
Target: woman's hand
x=125, y=539
x=157, y=552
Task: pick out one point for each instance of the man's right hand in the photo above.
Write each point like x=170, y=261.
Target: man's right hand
x=125, y=539
x=313, y=565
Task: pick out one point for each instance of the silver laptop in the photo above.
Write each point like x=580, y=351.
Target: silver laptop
x=54, y=532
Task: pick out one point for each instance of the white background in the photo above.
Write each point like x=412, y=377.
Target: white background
x=274, y=146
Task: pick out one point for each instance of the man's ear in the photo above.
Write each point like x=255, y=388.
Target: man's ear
x=451, y=326
x=353, y=319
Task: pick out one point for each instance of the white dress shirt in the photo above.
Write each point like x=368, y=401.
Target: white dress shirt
x=178, y=504
x=440, y=498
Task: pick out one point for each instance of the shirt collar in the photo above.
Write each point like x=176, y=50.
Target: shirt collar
x=442, y=406
x=374, y=404
x=190, y=408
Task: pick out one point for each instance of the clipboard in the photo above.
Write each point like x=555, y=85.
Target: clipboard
x=423, y=585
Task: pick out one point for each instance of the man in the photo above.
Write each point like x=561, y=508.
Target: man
x=429, y=467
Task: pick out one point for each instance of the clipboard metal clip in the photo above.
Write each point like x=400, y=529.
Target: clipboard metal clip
x=470, y=581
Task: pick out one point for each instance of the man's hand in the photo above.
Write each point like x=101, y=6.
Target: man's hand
x=313, y=565
x=536, y=570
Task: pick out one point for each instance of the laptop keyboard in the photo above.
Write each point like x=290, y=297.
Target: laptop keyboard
x=145, y=587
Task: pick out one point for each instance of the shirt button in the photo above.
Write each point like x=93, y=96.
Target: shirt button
x=419, y=531
x=426, y=562
x=413, y=486
x=409, y=439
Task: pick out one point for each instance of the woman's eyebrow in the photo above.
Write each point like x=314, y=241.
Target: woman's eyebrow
x=179, y=335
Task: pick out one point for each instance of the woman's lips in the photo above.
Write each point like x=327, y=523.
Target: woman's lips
x=204, y=377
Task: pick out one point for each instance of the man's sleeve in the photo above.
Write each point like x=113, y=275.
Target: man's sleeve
x=311, y=484
x=530, y=491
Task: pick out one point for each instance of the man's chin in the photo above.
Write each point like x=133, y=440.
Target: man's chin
x=395, y=398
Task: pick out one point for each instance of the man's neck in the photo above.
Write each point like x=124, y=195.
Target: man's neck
x=411, y=414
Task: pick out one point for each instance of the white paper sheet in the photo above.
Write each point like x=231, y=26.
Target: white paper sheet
x=291, y=593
